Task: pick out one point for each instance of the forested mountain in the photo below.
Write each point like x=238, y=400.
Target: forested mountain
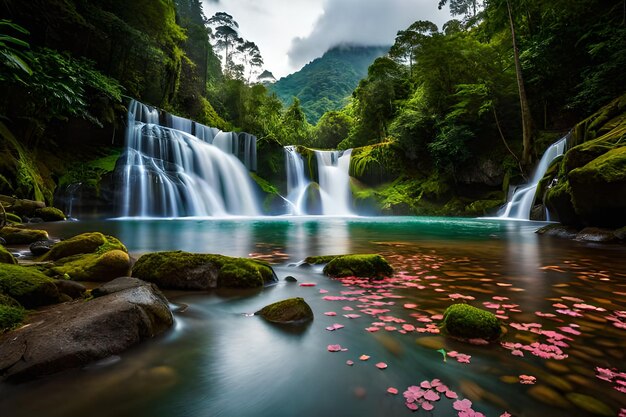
x=325, y=83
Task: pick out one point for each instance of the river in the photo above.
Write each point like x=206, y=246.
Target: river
x=218, y=360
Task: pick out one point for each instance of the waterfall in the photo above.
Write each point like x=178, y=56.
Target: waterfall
x=333, y=189
x=521, y=202
x=169, y=172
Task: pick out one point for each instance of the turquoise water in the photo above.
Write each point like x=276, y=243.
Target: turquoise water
x=218, y=361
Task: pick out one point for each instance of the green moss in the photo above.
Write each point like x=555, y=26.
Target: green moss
x=28, y=286
x=21, y=236
x=90, y=173
x=184, y=270
x=367, y=265
x=5, y=300
x=10, y=317
x=94, y=242
x=290, y=311
x=378, y=163
x=50, y=214
x=94, y=266
x=483, y=207
x=6, y=257
x=316, y=260
x=14, y=218
x=467, y=322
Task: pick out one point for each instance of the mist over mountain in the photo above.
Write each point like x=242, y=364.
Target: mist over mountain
x=325, y=83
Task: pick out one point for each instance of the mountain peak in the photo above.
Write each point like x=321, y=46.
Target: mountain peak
x=327, y=82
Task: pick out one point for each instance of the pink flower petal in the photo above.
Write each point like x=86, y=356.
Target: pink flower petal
x=392, y=390
x=308, y=284
x=330, y=313
x=427, y=406
x=381, y=365
x=349, y=363
x=462, y=405
x=334, y=348
x=363, y=357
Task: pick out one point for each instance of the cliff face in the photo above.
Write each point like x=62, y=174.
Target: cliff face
x=589, y=188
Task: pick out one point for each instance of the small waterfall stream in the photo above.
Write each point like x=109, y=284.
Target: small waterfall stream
x=333, y=189
x=521, y=202
x=168, y=171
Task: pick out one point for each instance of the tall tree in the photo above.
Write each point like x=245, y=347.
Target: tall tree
x=409, y=40
x=226, y=37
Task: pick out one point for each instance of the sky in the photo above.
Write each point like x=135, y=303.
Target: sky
x=291, y=33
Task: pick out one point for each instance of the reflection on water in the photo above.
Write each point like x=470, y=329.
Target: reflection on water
x=219, y=362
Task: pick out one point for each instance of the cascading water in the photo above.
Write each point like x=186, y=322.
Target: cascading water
x=168, y=172
x=522, y=200
x=334, y=182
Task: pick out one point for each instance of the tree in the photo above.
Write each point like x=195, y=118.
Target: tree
x=297, y=129
x=409, y=40
x=332, y=128
x=226, y=37
x=251, y=56
x=467, y=8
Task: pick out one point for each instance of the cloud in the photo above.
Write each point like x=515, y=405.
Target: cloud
x=359, y=22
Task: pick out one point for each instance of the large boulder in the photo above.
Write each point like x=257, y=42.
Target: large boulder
x=93, y=242
x=464, y=321
x=73, y=334
x=50, y=214
x=367, y=266
x=22, y=236
x=28, y=286
x=195, y=271
x=290, y=311
x=93, y=266
x=598, y=189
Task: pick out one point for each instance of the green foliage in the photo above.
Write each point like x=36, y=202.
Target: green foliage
x=326, y=83
x=90, y=173
x=331, y=129
x=6, y=257
x=467, y=322
x=15, y=63
x=296, y=128
x=10, y=317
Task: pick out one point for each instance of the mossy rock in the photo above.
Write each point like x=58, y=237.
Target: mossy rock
x=483, y=207
x=599, y=189
x=317, y=260
x=464, y=321
x=22, y=236
x=367, y=265
x=194, y=271
x=290, y=311
x=28, y=286
x=10, y=317
x=93, y=242
x=50, y=214
x=558, y=230
x=93, y=266
x=6, y=257
x=558, y=199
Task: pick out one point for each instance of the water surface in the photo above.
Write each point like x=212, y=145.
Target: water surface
x=217, y=361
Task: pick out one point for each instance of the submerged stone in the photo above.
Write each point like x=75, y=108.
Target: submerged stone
x=596, y=234
x=290, y=311
x=558, y=230
x=41, y=247
x=590, y=404
x=467, y=322
x=289, y=278
x=195, y=271
x=367, y=266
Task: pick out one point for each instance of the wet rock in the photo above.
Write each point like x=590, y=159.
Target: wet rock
x=558, y=230
x=466, y=322
x=21, y=236
x=117, y=285
x=289, y=278
x=72, y=289
x=596, y=234
x=41, y=247
x=194, y=271
x=366, y=266
x=290, y=311
x=73, y=334
x=317, y=260
x=2, y=241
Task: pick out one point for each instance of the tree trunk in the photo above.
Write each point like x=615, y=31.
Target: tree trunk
x=527, y=123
